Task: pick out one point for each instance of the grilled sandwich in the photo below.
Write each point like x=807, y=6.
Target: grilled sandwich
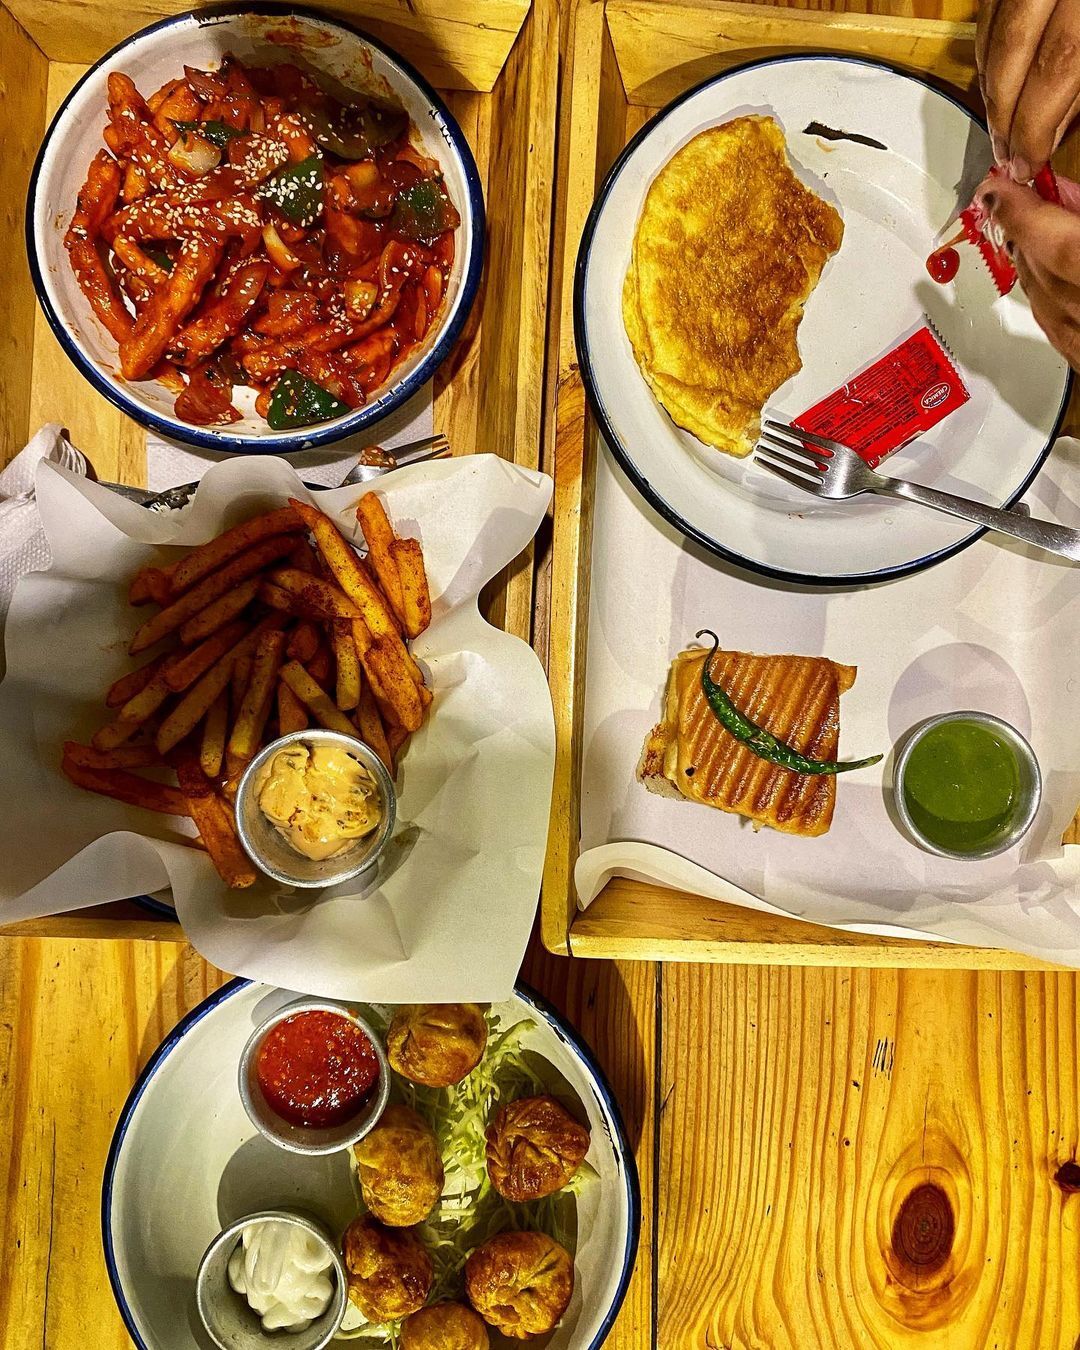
x=729, y=246
x=797, y=698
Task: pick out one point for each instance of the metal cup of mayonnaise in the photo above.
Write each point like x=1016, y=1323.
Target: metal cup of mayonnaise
x=315, y=808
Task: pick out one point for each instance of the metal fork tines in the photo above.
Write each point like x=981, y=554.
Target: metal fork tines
x=813, y=463
x=826, y=468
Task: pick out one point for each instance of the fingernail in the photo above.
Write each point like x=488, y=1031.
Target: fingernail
x=1020, y=170
x=999, y=147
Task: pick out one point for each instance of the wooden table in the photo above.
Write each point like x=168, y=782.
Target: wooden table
x=829, y=1157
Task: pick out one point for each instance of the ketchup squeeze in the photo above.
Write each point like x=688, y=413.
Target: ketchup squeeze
x=316, y=1068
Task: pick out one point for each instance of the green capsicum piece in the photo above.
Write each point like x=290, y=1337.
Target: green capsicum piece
x=298, y=401
x=297, y=190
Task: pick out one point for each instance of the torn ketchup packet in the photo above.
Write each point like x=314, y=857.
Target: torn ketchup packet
x=983, y=231
x=896, y=398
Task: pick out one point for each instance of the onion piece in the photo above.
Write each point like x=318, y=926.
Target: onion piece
x=360, y=297
x=193, y=156
x=280, y=254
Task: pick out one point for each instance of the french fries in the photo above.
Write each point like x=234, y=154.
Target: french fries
x=207, y=558
x=255, y=707
x=127, y=787
x=415, y=596
x=223, y=610
x=291, y=713
x=177, y=614
x=314, y=697
x=371, y=728
x=185, y=668
x=379, y=534
x=314, y=597
x=127, y=686
x=123, y=757
x=215, y=822
x=348, y=665
x=215, y=729
x=274, y=626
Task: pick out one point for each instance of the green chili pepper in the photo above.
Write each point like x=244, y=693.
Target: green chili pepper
x=299, y=402
x=297, y=190
x=763, y=743
x=217, y=133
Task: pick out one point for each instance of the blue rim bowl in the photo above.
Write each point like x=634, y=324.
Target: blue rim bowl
x=62, y=167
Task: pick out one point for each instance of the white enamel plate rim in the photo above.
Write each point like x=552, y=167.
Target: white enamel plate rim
x=875, y=290
x=143, y=1179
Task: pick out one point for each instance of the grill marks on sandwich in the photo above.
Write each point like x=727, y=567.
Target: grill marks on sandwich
x=794, y=697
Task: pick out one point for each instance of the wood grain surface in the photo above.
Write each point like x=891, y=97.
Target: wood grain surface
x=457, y=50
x=867, y=1159
x=80, y=1018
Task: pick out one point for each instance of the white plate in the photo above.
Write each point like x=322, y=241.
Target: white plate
x=872, y=292
x=259, y=35
x=186, y=1161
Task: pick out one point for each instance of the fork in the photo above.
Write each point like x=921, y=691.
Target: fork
x=373, y=462
x=826, y=468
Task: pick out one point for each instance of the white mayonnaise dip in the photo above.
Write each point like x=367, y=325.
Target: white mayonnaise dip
x=282, y=1271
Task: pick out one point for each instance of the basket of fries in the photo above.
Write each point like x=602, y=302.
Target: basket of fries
x=161, y=654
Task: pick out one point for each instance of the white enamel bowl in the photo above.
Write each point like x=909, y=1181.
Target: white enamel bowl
x=259, y=35
x=894, y=200
x=186, y=1162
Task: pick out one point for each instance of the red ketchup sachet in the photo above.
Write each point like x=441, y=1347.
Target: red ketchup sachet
x=893, y=400
x=980, y=228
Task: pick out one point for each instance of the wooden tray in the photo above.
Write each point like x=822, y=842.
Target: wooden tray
x=491, y=60
x=625, y=59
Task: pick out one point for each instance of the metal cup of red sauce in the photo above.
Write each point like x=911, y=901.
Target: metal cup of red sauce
x=314, y=1077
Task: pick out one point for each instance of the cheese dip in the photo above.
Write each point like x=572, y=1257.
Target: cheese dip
x=319, y=797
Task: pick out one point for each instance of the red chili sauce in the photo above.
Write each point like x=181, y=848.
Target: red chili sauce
x=943, y=264
x=316, y=1068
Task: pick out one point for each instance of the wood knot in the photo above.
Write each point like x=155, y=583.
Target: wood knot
x=1068, y=1177
x=923, y=1232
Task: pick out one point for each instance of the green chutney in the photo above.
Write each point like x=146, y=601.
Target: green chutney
x=962, y=786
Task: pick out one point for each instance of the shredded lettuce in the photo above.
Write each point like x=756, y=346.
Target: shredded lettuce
x=470, y=1210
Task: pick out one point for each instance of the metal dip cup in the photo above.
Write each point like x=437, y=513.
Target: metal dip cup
x=1028, y=797
x=273, y=854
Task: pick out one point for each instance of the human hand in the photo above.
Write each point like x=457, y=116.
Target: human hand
x=1043, y=240
x=1028, y=53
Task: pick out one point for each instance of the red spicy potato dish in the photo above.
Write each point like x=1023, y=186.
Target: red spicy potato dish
x=246, y=228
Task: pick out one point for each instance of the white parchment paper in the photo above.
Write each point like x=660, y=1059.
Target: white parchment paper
x=448, y=915
x=994, y=629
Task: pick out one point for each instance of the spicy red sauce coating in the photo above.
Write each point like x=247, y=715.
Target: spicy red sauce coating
x=316, y=1068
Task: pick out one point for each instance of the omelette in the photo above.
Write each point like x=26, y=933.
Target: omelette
x=689, y=754
x=727, y=251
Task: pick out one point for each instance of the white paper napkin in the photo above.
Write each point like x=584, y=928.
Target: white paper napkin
x=993, y=629
x=449, y=915
x=23, y=546
x=168, y=463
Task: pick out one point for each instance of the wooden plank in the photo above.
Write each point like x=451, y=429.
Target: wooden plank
x=77, y=1023
x=78, y=1020
x=613, y=1006
x=520, y=176
x=664, y=49
x=23, y=94
x=635, y=920
x=867, y=1159
x=455, y=47
x=590, y=89
x=113, y=443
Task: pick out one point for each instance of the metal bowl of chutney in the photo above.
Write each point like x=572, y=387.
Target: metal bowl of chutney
x=967, y=785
